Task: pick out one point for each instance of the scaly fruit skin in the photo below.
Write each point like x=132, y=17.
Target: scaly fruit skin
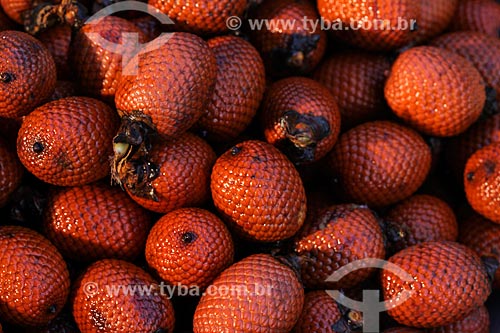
x=96, y=221
x=173, y=85
x=238, y=91
x=482, y=181
x=68, y=142
x=478, y=321
x=289, y=49
x=149, y=26
x=57, y=39
x=95, y=303
x=448, y=282
x=435, y=17
x=481, y=50
x=190, y=247
x=257, y=294
x=11, y=172
x=35, y=279
x=340, y=235
x=380, y=163
x=27, y=73
x=97, y=68
x=435, y=90
x=301, y=118
x=477, y=15
x=201, y=17
x=259, y=192
x=422, y=218
x=184, y=178
x=373, y=36
x=483, y=236
x=319, y=315
x=402, y=330
x=63, y=323
x=356, y=80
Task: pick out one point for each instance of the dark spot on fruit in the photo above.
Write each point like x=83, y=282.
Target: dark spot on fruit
x=188, y=237
x=52, y=309
x=7, y=77
x=489, y=167
x=38, y=147
x=235, y=150
x=293, y=57
x=470, y=176
x=63, y=161
x=257, y=159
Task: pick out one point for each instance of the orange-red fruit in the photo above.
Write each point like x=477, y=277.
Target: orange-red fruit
x=63, y=89
x=362, y=22
x=422, y=218
x=11, y=172
x=435, y=17
x=34, y=278
x=238, y=89
x=257, y=294
x=100, y=303
x=27, y=73
x=289, y=43
x=380, y=163
x=478, y=321
x=97, y=67
x=190, y=247
x=356, y=80
x=483, y=236
x=477, y=15
x=319, y=315
x=149, y=26
x=435, y=90
x=68, y=142
x=94, y=222
x=402, y=330
x=184, y=174
x=57, y=40
x=340, y=235
x=482, y=181
x=259, y=191
x=173, y=85
x=202, y=17
x=300, y=117
x=448, y=281
x=14, y=8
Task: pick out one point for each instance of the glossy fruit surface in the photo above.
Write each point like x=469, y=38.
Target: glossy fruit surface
x=34, y=277
x=11, y=172
x=436, y=91
x=477, y=15
x=478, y=321
x=190, y=247
x=68, y=142
x=259, y=191
x=256, y=294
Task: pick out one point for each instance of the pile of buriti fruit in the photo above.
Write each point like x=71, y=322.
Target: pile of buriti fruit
x=217, y=179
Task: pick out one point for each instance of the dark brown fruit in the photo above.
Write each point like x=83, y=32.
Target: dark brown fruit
x=448, y=282
x=100, y=291
x=34, y=281
x=257, y=294
x=27, y=73
x=11, y=172
x=259, y=192
x=478, y=321
x=477, y=15
x=57, y=40
x=63, y=89
x=68, y=142
x=380, y=163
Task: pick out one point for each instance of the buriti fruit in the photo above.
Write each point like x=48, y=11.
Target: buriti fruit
x=477, y=15
x=435, y=16
x=11, y=172
x=478, y=321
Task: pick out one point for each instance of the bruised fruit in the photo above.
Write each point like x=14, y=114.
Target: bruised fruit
x=477, y=15
x=11, y=172
x=190, y=247
x=301, y=118
x=435, y=90
x=448, y=282
x=259, y=192
x=94, y=222
x=34, y=278
x=478, y=321
x=256, y=294
x=27, y=73
x=100, y=291
x=68, y=142
x=380, y=163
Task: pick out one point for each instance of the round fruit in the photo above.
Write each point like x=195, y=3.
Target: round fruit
x=27, y=73
x=356, y=80
x=478, y=321
x=173, y=85
x=435, y=90
x=238, y=89
x=259, y=191
x=14, y=8
x=448, y=281
x=11, y=172
x=190, y=247
x=34, y=281
x=342, y=234
x=68, y=142
x=435, y=17
x=477, y=15
x=482, y=181
x=257, y=294
x=380, y=163
x=107, y=286
x=94, y=222
x=149, y=26
x=57, y=40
